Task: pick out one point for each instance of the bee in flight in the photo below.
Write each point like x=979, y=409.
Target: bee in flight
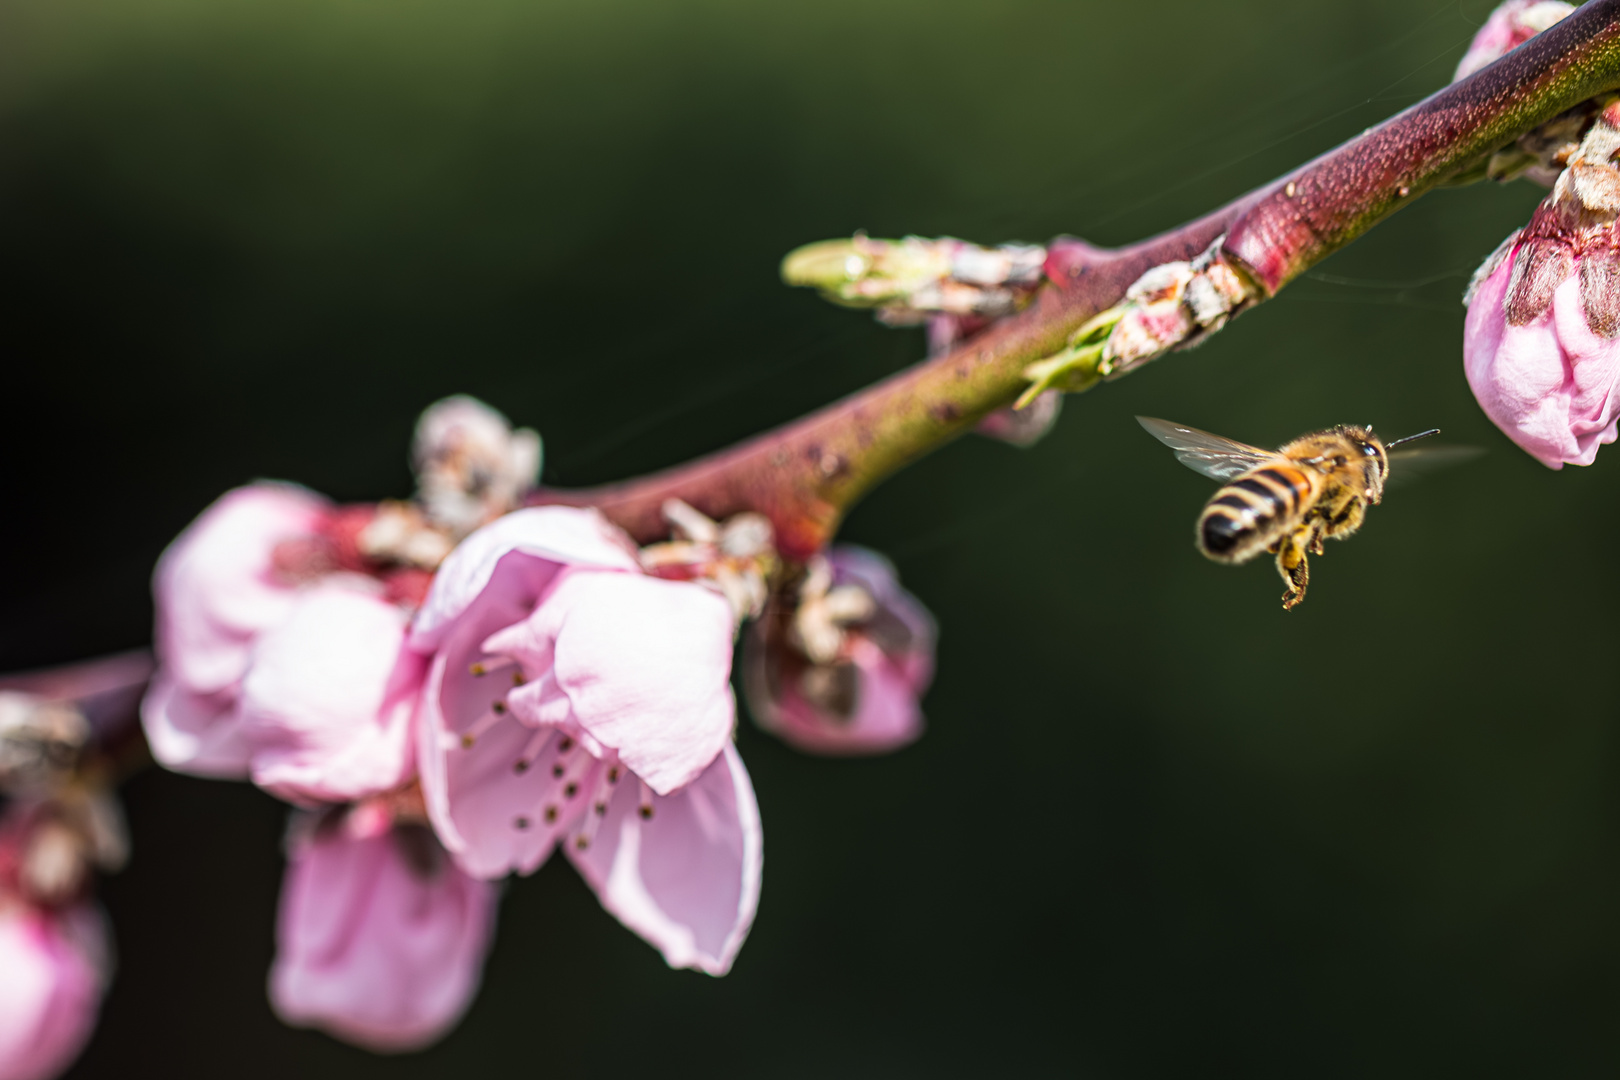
x=1287, y=501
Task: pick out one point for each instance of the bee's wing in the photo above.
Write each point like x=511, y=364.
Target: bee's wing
x=1405, y=466
x=1215, y=457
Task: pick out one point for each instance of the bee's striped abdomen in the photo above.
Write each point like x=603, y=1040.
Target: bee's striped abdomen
x=1244, y=516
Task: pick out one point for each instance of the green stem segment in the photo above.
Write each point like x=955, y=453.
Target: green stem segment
x=806, y=476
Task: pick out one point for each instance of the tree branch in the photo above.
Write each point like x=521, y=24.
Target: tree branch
x=806, y=475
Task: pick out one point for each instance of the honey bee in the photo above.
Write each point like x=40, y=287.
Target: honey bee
x=1287, y=501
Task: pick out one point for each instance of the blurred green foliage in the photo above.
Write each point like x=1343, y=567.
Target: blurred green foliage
x=1158, y=827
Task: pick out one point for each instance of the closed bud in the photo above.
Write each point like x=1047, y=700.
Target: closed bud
x=907, y=280
x=1175, y=305
x=1541, y=344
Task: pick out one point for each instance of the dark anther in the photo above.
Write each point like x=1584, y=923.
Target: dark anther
x=646, y=811
x=551, y=814
x=499, y=708
x=570, y=790
x=521, y=823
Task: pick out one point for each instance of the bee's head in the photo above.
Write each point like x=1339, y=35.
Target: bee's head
x=1369, y=444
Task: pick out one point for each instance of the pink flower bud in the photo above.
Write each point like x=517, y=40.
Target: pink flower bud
x=1509, y=26
x=907, y=280
x=1541, y=344
x=843, y=671
x=380, y=939
x=54, y=966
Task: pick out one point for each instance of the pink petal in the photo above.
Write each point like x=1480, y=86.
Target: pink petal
x=1549, y=384
x=475, y=795
x=550, y=536
x=327, y=702
x=374, y=949
x=1594, y=363
x=213, y=585
x=53, y=968
x=215, y=592
x=489, y=812
x=687, y=879
x=643, y=666
x=886, y=717
x=194, y=733
x=873, y=571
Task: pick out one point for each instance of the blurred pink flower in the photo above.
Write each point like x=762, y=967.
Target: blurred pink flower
x=570, y=695
x=216, y=590
x=328, y=699
x=1509, y=26
x=295, y=676
x=54, y=965
x=380, y=939
x=844, y=674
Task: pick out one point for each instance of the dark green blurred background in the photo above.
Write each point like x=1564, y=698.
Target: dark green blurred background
x=1157, y=828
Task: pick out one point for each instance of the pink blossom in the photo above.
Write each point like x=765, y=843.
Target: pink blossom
x=380, y=939
x=1541, y=345
x=844, y=673
x=299, y=680
x=1548, y=381
x=1509, y=26
x=572, y=698
x=216, y=591
x=327, y=701
x=53, y=968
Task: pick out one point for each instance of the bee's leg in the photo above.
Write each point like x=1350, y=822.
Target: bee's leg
x=1291, y=564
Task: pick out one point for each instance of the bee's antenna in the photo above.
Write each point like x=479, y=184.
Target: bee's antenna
x=1412, y=438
